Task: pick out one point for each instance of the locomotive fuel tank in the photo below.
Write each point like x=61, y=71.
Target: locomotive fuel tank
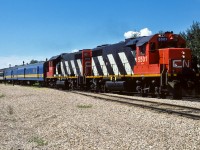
x=61, y=84
x=115, y=85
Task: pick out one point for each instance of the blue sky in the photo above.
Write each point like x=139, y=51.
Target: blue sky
x=39, y=29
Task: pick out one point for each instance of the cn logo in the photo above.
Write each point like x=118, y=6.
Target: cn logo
x=181, y=63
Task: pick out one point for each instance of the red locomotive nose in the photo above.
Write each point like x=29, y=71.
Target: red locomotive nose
x=175, y=59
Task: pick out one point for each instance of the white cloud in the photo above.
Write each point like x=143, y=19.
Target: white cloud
x=131, y=34
x=142, y=32
x=75, y=50
x=5, y=61
x=145, y=32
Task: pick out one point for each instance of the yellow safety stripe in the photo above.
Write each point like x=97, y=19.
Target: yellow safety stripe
x=109, y=76
x=61, y=77
x=26, y=76
x=128, y=75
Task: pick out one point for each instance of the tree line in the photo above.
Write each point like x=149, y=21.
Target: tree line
x=192, y=37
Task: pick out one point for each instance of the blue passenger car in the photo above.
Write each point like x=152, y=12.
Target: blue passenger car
x=25, y=74
x=31, y=72
x=10, y=74
x=1, y=75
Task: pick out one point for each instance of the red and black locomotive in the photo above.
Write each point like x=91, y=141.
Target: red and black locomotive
x=154, y=65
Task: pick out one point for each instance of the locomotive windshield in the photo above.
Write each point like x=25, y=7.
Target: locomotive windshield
x=169, y=42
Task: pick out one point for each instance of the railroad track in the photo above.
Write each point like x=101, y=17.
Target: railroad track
x=185, y=111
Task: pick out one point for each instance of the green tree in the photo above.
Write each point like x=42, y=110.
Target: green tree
x=33, y=61
x=192, y=37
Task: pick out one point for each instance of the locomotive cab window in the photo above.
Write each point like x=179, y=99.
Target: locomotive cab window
x=142, y=49
x=182, y=45
x=172, y=44
x=152, y=46
x=167, y=44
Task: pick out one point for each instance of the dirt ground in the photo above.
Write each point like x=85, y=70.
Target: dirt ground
x=48, y=119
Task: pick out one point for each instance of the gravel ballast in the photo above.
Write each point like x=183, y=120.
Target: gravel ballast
x=41, y=118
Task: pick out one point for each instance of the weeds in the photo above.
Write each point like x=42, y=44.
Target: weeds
x=1, y=95
x=38, y=141
x=84, y=106
x=10, y=110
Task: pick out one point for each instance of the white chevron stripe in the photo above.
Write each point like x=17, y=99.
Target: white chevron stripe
x=94, y=68
x=73, y=67
x=62, y=68
x=125, y=62
x=113, y=64
x=56, y=70
x=80, y=66
x=67, y=67
x=134, y=55
x=103, y=66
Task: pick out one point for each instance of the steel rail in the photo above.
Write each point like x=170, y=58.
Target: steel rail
x=185, y=111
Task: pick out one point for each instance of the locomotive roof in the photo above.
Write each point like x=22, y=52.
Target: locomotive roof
x=132, y=41
x=144, y=40
x=108, y=45
x=54, y=57
x=30, y=65
x=10, y=68
x=139, y=41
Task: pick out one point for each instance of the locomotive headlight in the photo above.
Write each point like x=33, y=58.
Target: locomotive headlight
x=183, y=54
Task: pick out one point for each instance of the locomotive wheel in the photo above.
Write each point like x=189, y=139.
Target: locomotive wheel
x=177, y=92
x=71, y=85
x=153, y=95
x=93, y=87
x=103, y=88
x=143, y=94
x=162, y=95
